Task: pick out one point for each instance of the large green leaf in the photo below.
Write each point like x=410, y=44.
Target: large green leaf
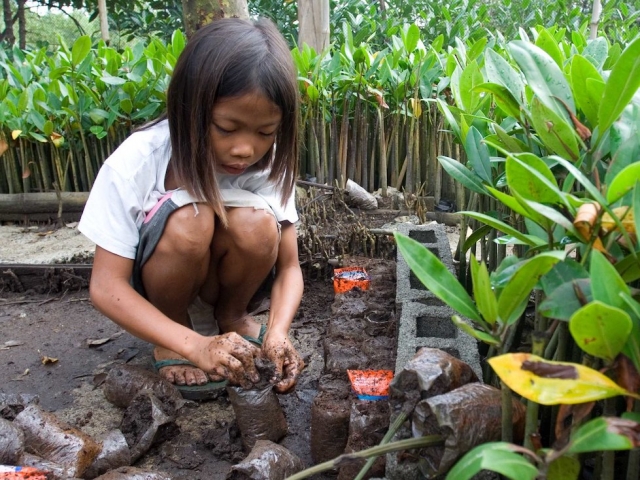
x=512, y=300
x=581, y=71
x=627, y=153
x=478, y=155
x=562, y=273
x=605, y=433
x=502, y=97
x=436, y=277
x=547, y=43
x=565, y=300
x=503, y=227
x=600, y=330
x=486, y=300
x=80, y=50
x=597, y=51
x=469, y=78
x=543, y=75
x=606, y=283
x=477, y=334
x=564, y=468
x=495, y=456
x=500, y=72
x=622, y=84
x=624, y=182
x=632, y=348
x=462, y=174
x=556, y=134
x=540, y=188
x=514, y=204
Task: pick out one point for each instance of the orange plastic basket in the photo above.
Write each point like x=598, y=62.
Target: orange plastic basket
x=348, y=278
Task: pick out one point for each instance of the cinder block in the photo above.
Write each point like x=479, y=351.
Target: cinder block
x=408, y=287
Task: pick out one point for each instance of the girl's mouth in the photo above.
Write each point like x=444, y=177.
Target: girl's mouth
x=233, y=170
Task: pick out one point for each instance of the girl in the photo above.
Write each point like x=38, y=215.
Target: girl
x=193, y=212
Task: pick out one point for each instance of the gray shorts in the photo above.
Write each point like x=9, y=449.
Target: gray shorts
x=154, y=223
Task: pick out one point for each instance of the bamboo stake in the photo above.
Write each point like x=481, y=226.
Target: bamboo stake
x=383, y=154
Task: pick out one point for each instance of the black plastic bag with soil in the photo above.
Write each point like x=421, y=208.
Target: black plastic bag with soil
x=132, y=473
x=258, y=411
x=330, y=413
x=466, y=417
x=341, y=355
x=145, y=424
x=224, y=441
x=11, y=443
x=266, y=461
x=53, y=440
x=124, y=382
x=11, y=404
x=115, y=453
x=368, y=423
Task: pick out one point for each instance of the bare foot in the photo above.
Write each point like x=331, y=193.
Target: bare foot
x=179, y=374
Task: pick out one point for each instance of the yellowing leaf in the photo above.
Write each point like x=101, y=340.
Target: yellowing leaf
x=15, y=134
x=552, y=383
x=626, y=216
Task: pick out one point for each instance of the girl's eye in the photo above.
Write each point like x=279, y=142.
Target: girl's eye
x=222, y=130
x=268, y=134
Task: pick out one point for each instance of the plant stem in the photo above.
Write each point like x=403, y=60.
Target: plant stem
x=388, y=436
x=507, y=413
x=633, y=466
x=409, y=444
x=531, y=425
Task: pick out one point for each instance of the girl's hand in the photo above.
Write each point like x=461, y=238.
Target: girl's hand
x=228, y=356
x=288, y=363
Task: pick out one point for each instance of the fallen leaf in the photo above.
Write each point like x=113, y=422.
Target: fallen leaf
x=11, y=343
x=101, y=341
x=47, y=360
x=99, y=379
x=20, y=377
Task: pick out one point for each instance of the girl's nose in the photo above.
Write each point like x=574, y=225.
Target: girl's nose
x=243, y=149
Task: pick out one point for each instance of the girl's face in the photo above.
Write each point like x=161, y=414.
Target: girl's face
x=243, y=130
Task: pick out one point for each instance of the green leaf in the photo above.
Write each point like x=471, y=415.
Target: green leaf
x=513, y=144
x=624, y=182
x=563, y=302
x=556, y=134
x=111, y=80
x=543, y=76
x=622, y=84
x=581, y=71
x=470, y=77
x=500, y=72
x=477, y=334
x=605, y=433
x=600, y=330
x=512, y=300
x=580, y=177
x=503, y=227
x=562, y=273
x=502, y=96
x=80, y=50
x=510, y=202
x=462, y=174
x=436, y=277
x=541, y=188
x=606, y=283
x=478, y=155
x=626, y=154
x=146, y=113
x=446, y=111
x=494, y=456
x=597, y=51
x=486, y=301
x=547, y=43
x=564, y=468
x=632, y=347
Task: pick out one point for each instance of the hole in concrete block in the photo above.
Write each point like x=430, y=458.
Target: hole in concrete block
x=438, y=327
x=423, y=236
x=431, y=302
x=414, y=283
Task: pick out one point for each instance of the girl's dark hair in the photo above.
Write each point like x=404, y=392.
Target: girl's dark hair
x=228, y=58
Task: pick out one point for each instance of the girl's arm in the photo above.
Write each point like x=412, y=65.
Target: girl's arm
x=286, y=294
x=111, y=293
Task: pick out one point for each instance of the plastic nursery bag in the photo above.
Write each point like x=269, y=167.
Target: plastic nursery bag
x=132, y=473
x=266, y=461
x=53, y=440
x=11, y=443
x=115, y=453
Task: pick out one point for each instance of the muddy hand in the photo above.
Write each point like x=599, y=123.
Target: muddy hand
x=230, y=356
x=288, y=362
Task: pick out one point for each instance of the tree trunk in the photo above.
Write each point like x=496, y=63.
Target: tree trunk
x=198, y=13
x=7, y=34
x=104, y=20
x=313, y=20
x=22, y=25
x=595, y=19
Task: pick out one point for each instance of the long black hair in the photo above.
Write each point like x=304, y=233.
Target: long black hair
x=228, y=58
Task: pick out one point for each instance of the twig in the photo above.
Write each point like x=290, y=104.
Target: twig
x=317, y=185
x=409, y=444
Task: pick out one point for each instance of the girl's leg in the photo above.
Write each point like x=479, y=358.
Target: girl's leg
x=242, y=256
x=174, y=274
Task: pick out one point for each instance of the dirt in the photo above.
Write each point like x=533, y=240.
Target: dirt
x=57, y=346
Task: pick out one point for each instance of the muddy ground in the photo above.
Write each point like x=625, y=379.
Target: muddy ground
x=53, y=359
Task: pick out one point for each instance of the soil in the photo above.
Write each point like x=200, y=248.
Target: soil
x=57, y=346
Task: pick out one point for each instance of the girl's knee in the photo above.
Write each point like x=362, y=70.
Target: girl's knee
x=189, y=231
x=254, y=231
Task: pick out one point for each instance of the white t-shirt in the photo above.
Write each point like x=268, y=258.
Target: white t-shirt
x=131, y=182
